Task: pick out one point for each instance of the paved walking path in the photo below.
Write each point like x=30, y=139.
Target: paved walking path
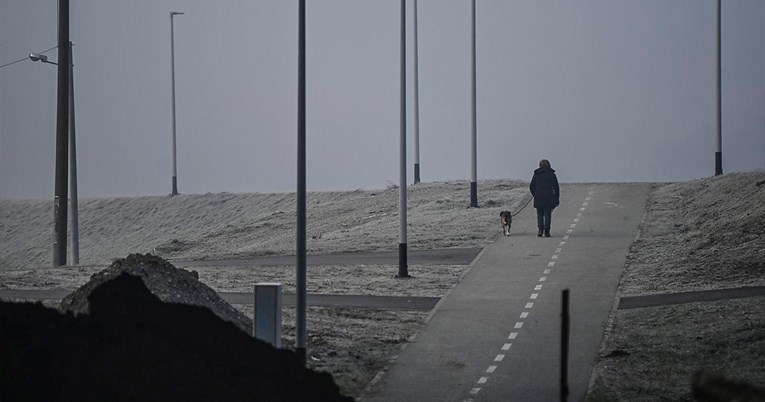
x=629, y=302
x=496, y=336
x=319, y=300
x=445, y=256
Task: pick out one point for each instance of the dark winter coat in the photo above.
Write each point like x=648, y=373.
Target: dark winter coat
x=545, y=189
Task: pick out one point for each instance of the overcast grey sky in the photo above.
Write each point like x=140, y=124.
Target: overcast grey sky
x=608, y=90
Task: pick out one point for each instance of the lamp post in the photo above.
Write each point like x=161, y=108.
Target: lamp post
x=416, y=101
x=403, y=267
x=172, y=79
x=718, y=90
x=73, y=199
x=301, y=332
x=473, y=164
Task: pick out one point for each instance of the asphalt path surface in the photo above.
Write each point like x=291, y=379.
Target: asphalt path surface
x=446, y=256
x=496, y=336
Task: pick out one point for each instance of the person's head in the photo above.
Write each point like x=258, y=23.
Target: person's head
x=544, y=163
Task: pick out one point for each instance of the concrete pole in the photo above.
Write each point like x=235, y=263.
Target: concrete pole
x=301, y=333
x=718, y=90
x=473, y=143
x=62, y=138
x=416, y=101
x=73, y=167
x=403, y=269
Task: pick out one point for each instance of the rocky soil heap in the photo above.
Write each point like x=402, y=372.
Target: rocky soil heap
x=132, y=346
x=168, y=283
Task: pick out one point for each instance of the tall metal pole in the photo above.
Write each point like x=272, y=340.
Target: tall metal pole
x=473, y=163
x=403, y=271
x=416, y=101
x=172, y=79
x=718, y=153
x=62, y=138
x=301, y=334
x=73, y=167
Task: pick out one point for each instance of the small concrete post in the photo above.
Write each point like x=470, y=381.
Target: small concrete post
x=267, y=323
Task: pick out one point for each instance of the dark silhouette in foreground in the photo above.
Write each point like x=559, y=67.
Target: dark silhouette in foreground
x=133, y=347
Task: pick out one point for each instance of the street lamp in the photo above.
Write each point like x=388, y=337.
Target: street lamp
x=40, y=57
x=72, y=154
x=172, y=75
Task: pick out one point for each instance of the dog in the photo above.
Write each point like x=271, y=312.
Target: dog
x=506, y=220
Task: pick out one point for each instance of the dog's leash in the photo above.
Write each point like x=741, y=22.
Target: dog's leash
x=524, y=206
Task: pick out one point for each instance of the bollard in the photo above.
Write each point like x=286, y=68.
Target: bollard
x=267, y=323
x=564, y=340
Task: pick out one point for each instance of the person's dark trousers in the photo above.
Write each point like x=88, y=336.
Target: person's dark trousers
x=544, y=216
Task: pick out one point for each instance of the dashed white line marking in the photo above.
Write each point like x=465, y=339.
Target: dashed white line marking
x=566, y=237
x=491, y=369
x=569, y=231
x=518, y=325
x=507, y=346
x=499, y=358
x=547, y=271
x=524, y=314
x=563, y=243
x=542, y=279
x=558, y=250
x=475, y=391
x=582, y=209
x=585, y=203
x=555, y=257
x=538, y=287
x=576, y=219
x=551, y=264
x=573, y=225
x=483, y=380
x=529, y=305
x=534, y=296
x=513, y=335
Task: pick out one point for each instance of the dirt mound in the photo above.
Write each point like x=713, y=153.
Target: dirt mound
x=168, y=283
x=134, y=347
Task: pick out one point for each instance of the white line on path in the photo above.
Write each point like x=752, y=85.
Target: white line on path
x=529, y=305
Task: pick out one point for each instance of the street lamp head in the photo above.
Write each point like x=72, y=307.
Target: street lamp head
x=38, y=57
x=172, y=13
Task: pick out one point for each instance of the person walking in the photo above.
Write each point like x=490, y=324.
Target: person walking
x=546, y=191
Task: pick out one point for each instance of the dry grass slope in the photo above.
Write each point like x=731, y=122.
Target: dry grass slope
x=702, y=234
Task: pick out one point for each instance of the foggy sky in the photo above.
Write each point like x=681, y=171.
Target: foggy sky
x=608, y=90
